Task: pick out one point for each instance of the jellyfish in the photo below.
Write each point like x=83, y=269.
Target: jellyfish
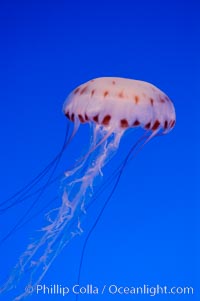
x=111, y=106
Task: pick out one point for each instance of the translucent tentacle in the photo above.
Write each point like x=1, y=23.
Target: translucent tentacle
x=135, y=149
x=64, y=222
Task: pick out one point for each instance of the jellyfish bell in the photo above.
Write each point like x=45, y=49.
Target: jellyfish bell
x=120, y=103
x=111, y=106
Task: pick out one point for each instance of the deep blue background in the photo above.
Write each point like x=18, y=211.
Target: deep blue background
x=149, y=233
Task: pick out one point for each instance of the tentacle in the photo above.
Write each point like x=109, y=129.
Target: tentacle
x=16, y=197
x=22, y=194
x=131, y=154
x=94, y=146
x=65, y=224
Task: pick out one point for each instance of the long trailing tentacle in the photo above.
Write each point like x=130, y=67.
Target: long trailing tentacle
x=22, y=194
x=26, y=192
x=131, y=154
x=16, y=197
x=102, y=188
x=58, y=233
x=60, y=230
x=96, y=195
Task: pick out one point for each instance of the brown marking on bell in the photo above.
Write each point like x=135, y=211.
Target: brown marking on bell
x=105, y=93
x=136, y=99
x=72, y=117
x=162, y=100
x=82, y=120
x=106, y=120
x=86, y=117
x=121, y=94
x=152, y=101
x=165, y=124
x=83, y=90
x=136, y=123
x=148, y=125
x=76, y=90
x=92, y=92
x=67, y=115
x=155, y=125
x=172, y=123
x=96, y=118
x=124, y=123
x=113, y=82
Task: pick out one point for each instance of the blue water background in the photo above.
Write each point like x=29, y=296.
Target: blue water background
x=149, y=233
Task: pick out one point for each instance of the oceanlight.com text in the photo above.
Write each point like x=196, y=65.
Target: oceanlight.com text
x=111, y=289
